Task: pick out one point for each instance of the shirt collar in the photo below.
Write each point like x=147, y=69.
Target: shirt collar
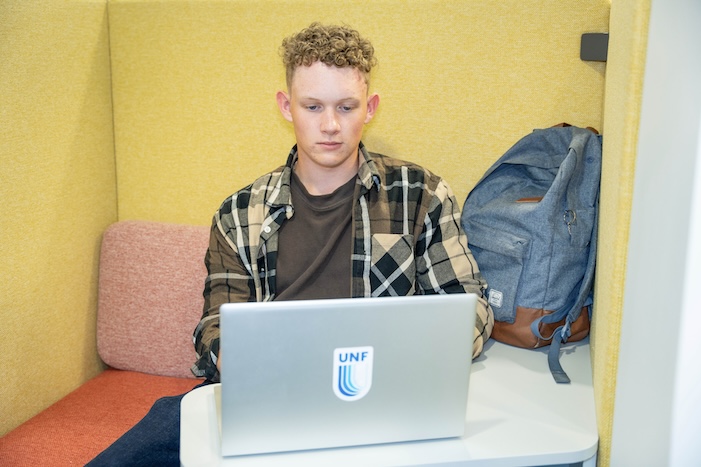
x=368, y=175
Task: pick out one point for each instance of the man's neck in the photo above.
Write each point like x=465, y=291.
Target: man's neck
x=323, y=181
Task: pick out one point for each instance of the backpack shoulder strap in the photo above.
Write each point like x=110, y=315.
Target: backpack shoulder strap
x=562, y=333
x=580, y=140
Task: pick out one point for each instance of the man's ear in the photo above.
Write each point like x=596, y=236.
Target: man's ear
x=373, y=103
x=283, y=103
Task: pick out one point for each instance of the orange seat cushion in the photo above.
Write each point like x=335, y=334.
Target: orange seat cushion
x=85, y=422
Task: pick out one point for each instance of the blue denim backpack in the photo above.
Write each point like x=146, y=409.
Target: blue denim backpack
x=531, y=223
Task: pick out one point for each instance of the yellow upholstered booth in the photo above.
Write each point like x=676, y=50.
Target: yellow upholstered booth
x=57, y=196
x=460, y=81
x=158, y=110
x=624, y=83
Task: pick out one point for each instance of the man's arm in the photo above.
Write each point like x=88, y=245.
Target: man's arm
x=227, y=281
x=445, y=263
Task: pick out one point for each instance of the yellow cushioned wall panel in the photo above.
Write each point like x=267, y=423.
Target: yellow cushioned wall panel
x=460, y=82
x=623, y=97
x=58, y=194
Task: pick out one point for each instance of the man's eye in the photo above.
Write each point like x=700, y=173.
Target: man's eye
x=346, y=108
x=313, y=108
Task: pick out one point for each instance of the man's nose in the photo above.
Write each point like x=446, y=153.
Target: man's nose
x=329, y=122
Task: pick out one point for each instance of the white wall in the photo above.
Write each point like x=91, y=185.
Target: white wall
x=657, y=417
x=686, y=409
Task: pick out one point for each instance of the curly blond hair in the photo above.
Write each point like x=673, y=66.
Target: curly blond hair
x=339, y=46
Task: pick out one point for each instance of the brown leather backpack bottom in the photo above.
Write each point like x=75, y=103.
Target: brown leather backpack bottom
x=519, y=332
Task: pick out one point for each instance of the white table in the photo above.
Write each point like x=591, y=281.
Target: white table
x=516, y=416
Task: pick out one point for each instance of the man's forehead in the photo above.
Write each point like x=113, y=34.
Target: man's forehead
x=317, y=70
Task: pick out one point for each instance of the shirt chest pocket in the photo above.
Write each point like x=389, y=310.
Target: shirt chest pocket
x=392, y=270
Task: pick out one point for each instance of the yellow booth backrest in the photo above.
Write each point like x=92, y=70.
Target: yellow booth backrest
x=194, y=88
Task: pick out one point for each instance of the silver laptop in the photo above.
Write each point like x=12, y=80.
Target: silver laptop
x=315, y=374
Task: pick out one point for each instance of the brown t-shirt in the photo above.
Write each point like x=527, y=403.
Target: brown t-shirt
x=314, y=254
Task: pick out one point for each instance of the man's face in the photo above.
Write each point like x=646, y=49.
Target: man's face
x=328, y=107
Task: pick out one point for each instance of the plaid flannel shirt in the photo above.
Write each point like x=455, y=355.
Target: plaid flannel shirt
x=406, y=233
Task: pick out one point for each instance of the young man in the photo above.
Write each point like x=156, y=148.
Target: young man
x=335, y=221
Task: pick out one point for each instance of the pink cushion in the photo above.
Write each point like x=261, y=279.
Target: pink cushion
x=150, y=296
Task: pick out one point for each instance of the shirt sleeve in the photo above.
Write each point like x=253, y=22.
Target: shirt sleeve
x=227, y=281
x=445, y=263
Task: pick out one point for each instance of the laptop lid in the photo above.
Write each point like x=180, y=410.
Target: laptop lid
x=314, y=374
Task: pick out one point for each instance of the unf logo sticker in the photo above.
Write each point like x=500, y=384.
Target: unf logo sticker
x=352, y=372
